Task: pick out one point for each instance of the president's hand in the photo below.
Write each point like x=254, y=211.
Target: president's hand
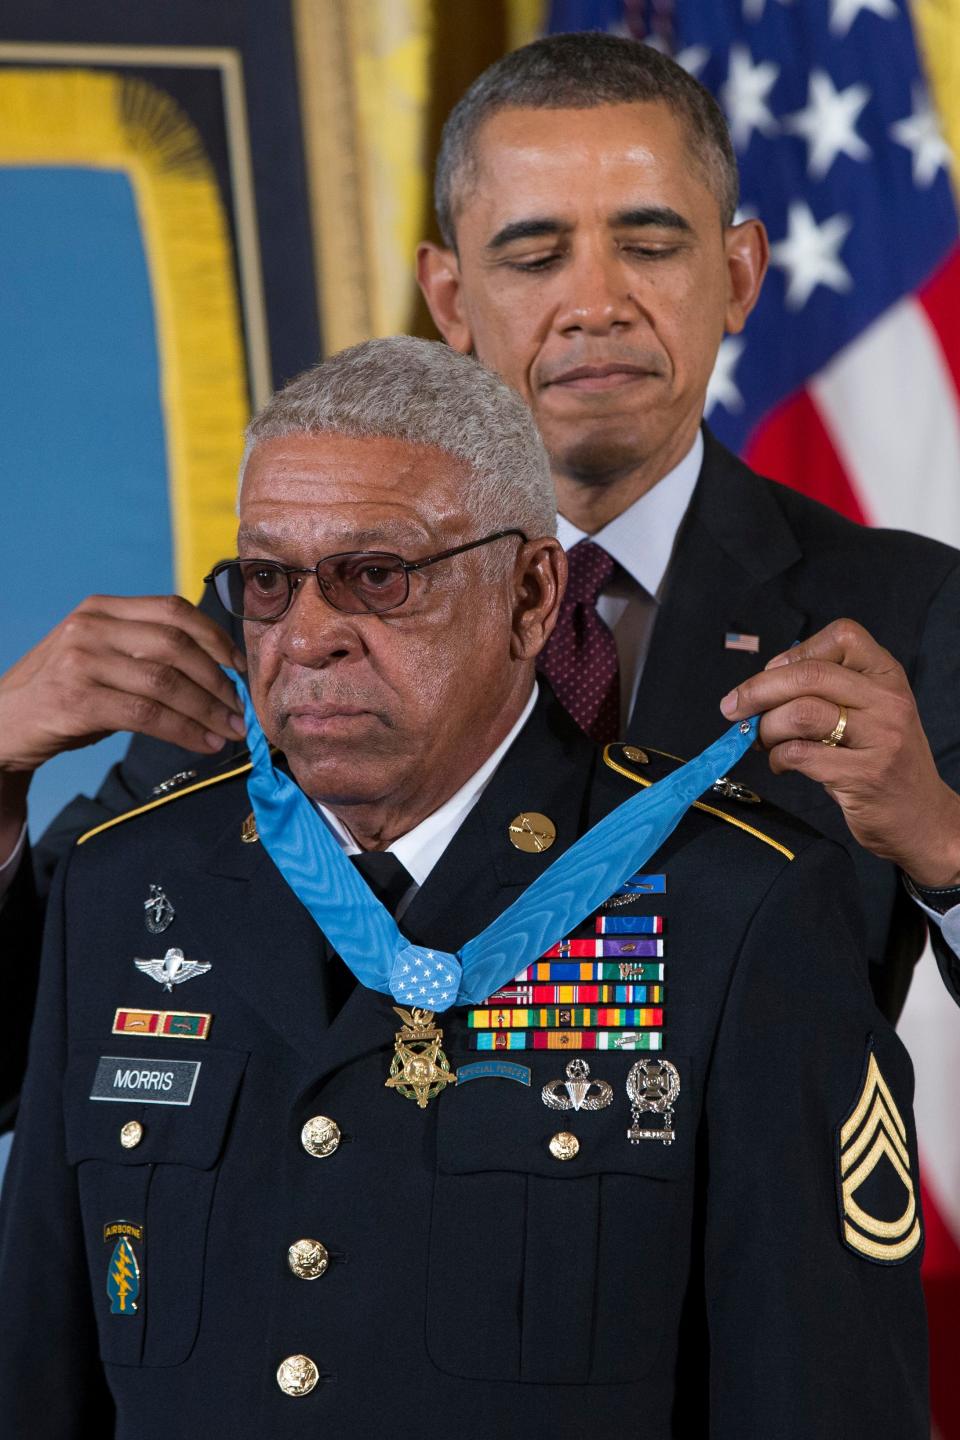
x=146, y=663
x=882, y=774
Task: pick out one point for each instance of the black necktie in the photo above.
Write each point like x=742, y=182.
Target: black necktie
x=387, y=877
x=389, y=881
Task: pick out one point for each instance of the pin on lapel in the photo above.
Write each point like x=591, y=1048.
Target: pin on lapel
x=532, y=832
x=158, y=913
x=173, y=969
x=734, y=640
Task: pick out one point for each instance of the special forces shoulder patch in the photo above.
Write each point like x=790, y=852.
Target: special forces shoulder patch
x=123, y=1269
x=879, y=1217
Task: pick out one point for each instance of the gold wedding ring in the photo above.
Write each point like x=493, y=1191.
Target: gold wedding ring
x=836, y=734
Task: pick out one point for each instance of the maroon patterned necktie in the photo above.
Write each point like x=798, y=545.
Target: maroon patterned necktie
x=580, y=658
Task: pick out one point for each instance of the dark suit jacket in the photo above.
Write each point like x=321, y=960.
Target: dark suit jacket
x=757, y=558
x=752, y=557
x=476, y=1283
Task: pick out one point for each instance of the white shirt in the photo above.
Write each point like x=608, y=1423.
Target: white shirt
x=420, y=849
x=642, y=541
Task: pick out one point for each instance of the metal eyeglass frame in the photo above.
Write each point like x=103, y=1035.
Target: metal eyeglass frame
x=289, y=571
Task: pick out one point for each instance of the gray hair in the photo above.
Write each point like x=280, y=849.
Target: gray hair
x=579, y=72
x=424, y=393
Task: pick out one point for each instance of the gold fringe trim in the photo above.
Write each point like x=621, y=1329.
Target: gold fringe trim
x=105, y=120
x=937, y=24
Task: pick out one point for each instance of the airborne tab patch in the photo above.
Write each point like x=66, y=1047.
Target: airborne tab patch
x=875, y=1187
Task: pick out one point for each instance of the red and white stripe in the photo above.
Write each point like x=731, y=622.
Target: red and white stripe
x=876, y=434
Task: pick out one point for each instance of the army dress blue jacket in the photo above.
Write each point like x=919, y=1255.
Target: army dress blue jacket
x=757, y=1279
x=751, y=557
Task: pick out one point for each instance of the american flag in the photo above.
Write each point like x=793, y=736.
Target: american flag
x=845, y=382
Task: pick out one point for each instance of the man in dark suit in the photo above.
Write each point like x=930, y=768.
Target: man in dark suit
x=586, y=190
x=235, y=1202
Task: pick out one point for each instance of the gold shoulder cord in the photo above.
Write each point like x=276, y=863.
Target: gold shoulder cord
x=164, y=800
x=697, y=804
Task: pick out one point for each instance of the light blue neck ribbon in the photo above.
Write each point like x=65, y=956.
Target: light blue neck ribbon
x=365, y=934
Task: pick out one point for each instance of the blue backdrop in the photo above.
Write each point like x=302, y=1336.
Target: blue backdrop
x=85, y=505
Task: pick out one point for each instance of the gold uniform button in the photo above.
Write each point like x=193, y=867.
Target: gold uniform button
x=564, y=1146
x=320, y=1136
x=308, y=1259
x=297, y=1375
x=532, y=832
x=131, y=1134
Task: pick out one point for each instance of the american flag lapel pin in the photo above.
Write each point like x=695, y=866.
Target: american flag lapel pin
x=734, y=640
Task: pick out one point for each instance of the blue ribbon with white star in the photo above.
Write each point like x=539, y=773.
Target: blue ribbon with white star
x=368, y=939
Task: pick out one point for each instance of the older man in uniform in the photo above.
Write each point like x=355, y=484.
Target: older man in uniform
x=586, y=191
x=662, y=1181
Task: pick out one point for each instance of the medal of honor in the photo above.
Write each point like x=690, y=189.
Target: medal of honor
x=419, y=1069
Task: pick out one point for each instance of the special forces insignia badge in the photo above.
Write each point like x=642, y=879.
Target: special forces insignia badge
x=875, y=1188
x=419, y=1069
x=123, y=1271
x=158, y=913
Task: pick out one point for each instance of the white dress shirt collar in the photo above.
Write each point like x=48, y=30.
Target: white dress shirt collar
x=642, y=537
x=421, y=848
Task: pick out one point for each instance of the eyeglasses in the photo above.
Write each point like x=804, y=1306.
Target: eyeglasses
x=358, y=582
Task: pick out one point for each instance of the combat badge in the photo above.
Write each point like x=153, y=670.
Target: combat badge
x=419, y=1069
x=158, y=913
x=875, y=1189
x=123, y=1271
x=653, y=1087
x=582, y=1093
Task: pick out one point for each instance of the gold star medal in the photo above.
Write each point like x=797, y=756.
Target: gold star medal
x=419, y=1069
